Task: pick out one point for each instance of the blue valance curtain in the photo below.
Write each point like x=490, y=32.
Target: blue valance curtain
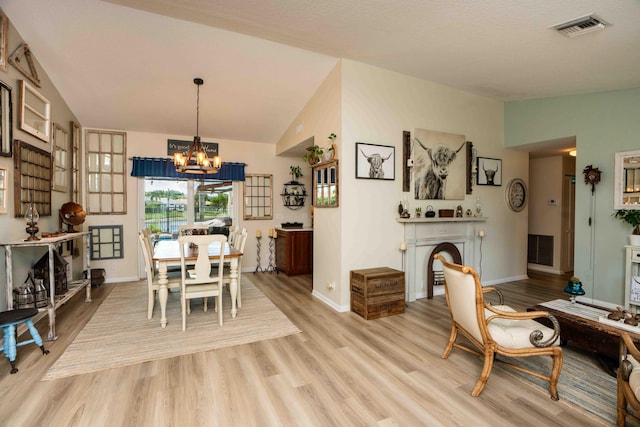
x=154, y=167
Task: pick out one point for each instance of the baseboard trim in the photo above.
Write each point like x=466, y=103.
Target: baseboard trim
x=330, y=303
x=537, y=267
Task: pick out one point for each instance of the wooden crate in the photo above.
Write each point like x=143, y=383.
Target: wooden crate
x=377, y=292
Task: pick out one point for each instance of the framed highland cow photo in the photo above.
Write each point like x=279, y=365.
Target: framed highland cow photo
x=375, y=161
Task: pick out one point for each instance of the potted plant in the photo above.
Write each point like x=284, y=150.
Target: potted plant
x=330, y=151
x=295, y=172
x=631, y=217
x=418, y=212
x=313, y=155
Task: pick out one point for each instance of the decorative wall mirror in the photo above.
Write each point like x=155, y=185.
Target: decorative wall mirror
x=34, y=113
x=627, y=180
x=6, y=121
x=258, y=195
x=60, y=158
x=325, y=185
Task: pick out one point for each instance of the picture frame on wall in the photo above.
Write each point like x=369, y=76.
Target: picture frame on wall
x=34, y=114
x=375, y=161
x=4, y=29
x=489, y=171
x=6, y=121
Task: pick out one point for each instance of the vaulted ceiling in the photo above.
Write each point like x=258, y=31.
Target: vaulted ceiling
x=130, y=64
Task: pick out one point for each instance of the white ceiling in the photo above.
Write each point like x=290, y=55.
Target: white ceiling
x=130, y=64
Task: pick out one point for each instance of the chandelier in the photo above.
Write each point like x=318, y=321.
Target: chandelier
x=197, y=161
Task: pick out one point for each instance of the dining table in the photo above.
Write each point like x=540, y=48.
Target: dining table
x=167, y=254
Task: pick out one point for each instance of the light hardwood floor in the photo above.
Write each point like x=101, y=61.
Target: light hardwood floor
x=341, y=370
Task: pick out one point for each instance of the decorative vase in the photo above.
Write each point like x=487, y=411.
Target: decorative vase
x=634, y=239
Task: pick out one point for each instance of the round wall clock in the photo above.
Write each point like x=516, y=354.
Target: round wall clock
x=516, y=194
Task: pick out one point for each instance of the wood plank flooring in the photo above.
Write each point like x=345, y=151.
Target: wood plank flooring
x=340, y=371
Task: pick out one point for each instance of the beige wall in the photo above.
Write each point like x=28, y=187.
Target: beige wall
x=319, y=118
x=545, y=184
x=12, y=228
x=259, y=158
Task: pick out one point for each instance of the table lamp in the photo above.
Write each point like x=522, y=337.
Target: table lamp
x=574, y=288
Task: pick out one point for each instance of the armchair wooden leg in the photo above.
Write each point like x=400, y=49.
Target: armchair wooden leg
x=555, y=373
x=452, y=340
x=622, y=405
x=484, y=376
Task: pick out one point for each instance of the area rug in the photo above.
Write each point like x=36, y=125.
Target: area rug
x=119, y=333
x=583, y=382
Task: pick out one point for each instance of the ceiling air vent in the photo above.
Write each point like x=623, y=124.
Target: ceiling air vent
x=580, y=26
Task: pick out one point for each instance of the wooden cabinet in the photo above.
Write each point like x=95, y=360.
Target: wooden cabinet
x=294, y=251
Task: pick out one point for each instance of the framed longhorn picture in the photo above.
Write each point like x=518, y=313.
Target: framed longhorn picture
x=489, y=171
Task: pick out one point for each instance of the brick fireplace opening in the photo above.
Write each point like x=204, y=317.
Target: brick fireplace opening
x=436, y=278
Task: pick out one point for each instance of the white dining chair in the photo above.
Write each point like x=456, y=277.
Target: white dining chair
x=239, y=244
x=202, y=281
x=151, y=276
x=189, y=228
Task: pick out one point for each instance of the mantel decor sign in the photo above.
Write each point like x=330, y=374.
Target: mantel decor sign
x=375, y=161
x=176, y=146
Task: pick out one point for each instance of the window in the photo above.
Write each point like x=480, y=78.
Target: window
x=258, y=191
x=60, y=158
x=169, y=204
x=75, y=162
x=106, y=242
x=106, y=180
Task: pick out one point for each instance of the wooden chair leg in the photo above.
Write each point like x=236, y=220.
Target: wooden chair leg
x=183, y=302
x=152, y=300
x=621, y=406
x=555, y=373
x=452, y=340
x=486, y=371
x=219, y=307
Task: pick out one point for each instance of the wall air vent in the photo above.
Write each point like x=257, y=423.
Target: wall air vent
x=580, y=26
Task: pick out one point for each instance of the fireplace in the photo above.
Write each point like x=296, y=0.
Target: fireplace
x=435, y=277
x=454, y=237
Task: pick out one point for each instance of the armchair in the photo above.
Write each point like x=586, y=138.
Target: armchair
x=628, y=379
x=496, y=330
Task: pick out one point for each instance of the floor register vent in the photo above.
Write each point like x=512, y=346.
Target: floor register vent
x=579, y=26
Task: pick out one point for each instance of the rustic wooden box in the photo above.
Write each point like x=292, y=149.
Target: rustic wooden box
x=377, y=292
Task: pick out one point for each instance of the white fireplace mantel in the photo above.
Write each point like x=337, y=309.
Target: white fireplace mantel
x=422, y=235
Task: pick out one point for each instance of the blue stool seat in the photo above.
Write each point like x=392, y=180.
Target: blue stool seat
x=8, y=321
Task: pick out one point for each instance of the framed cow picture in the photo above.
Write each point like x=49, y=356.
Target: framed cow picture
x=439, y=165
x=375, y=161
x=489, y=171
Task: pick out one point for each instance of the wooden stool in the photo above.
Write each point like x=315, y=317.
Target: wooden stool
x=8, y=321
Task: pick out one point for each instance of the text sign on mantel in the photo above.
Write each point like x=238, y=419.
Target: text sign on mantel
x=176, y=146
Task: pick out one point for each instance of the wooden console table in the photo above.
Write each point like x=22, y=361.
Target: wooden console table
x=52, y=243
x=579, y=324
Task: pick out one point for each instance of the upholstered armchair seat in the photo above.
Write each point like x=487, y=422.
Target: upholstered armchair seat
x=512, y=333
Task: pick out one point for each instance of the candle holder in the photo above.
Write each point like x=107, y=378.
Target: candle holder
x=258, y=245
x=32, y=216
x=272, y=254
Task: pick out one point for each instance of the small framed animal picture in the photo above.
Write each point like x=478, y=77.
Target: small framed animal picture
x=375, y=161
x=489, y=171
